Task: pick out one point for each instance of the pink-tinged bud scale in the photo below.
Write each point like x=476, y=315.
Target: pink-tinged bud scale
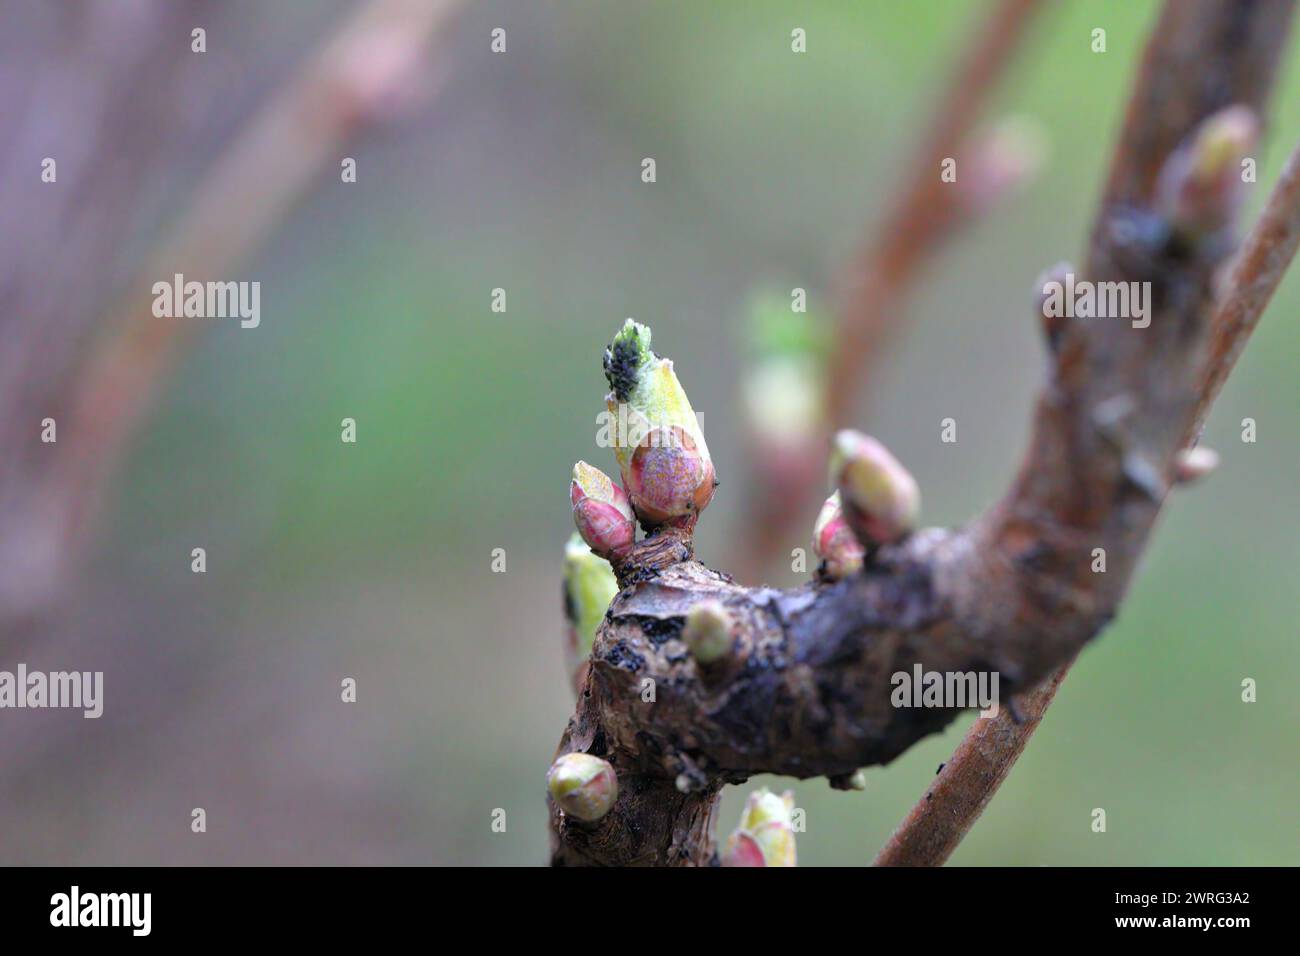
x=834, y=542
x=662, y=455
x=742, y=850
x=668, y=478
x=601, y=511
x=765, y=836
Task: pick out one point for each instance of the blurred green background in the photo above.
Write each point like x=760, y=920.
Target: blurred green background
x=373, y=560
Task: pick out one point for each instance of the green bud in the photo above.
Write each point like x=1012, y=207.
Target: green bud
x=879, y=496
x=662, y=455
x=589, y=587
x=707, y=633
x=583, y=786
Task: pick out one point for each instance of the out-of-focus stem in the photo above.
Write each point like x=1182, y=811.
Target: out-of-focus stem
x=962, y=789
x=879, y=275
x=250, y=189
x=925, y=211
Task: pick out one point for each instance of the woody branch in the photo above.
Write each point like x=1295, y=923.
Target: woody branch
x=1176, y=80
x=803, y=685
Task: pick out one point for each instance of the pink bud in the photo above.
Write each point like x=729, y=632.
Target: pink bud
x=743, y=850
x=601, y=511
x=668, y=478
x=835, y=543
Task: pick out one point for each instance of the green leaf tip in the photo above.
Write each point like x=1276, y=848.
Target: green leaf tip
x=625, y=357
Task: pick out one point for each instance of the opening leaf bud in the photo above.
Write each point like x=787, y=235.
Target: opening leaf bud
x=879, y=497
x=583, y=786
x=1200, y=185
x=707, y=633
x=601, y=511
x=835, y=543
x=658, y=441
x=589, y=587
x=765, y=836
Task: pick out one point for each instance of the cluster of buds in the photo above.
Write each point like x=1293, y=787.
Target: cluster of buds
x=1199, y=187
x=834, y=542
x=878, y=497
x=589, y=587
x=583, y=786
x=667, y=479
x=601, y=511
x=765, y=836
x=664, y=461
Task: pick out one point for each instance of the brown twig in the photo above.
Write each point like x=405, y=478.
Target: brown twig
x=97, y=110
x=250, y=189
x=1255, y=275
x=878, y=276
x=807, y=690
x=967, y=782
x=939, y=821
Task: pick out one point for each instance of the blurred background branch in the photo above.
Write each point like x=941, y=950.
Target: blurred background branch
x=925, y=212
x=966, y=782
x=48, y=497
